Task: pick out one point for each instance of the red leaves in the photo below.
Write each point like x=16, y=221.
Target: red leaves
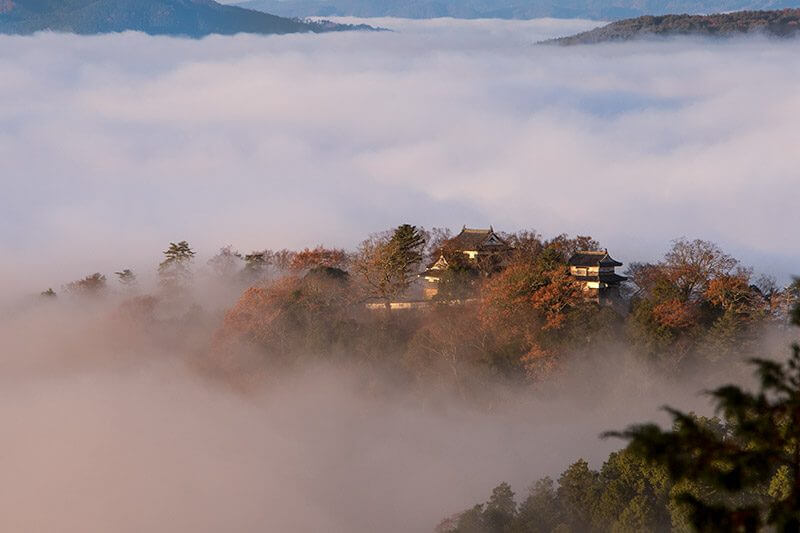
x=526, y=306
x=674, y=314
x=555, y=298
x=318, y=257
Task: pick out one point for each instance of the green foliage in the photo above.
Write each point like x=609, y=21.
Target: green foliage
x=387, y=264
x=405, y=248
x=739, y=472
x=541, y=511
x=745, y=474
x=626, y=495
x=175, y=270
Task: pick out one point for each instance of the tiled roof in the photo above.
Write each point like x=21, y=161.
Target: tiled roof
x=476, y=239
x=590, y=258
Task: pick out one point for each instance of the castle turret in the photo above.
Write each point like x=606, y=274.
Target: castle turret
x=596, y=271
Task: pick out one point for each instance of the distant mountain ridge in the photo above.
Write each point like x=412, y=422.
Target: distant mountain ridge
x=783, y=23
x=192, y=18
x=508, y=9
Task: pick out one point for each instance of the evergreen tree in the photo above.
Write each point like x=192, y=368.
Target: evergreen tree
x=175, y=270
x=388, y=264
x=749, y=472
x=126, y=278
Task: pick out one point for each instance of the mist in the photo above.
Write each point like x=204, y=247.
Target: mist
x=112, y=146
x=114, y=426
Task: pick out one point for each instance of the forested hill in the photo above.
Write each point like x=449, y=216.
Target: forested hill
x=785, y=23
x=193, y=18
x=508, y=9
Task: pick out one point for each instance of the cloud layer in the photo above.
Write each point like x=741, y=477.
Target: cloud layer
x=108, y=428
x=112, y=146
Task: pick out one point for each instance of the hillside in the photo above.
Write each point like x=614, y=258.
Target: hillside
x=508, y=9
x=193, y=18
x=784, y=23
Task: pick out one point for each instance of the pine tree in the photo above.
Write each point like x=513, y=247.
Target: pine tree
x=175, y=270
x=126, y=278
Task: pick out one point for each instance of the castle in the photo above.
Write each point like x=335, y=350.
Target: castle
x=486, y=250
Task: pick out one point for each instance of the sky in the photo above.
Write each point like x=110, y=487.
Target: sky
x=113, y=146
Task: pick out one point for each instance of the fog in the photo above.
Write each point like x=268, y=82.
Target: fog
x=111, y=426
x=112, y=146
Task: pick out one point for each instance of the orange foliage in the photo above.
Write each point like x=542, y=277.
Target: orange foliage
x=255, y=315
x=506, y=305
x=674, y=314
x=554, y=299
x=538, y=363
x=729, y=292
x=318, y=257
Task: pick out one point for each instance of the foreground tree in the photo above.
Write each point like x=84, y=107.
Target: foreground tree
x=746, y=475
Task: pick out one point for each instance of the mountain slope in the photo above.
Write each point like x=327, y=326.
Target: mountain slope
x=508, y=9
x=193, y=18
x=784, y=23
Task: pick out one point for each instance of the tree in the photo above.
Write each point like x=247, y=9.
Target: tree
x=256, y=264
x=291, y=317
x=226, y=263
x=750, y=468
x=526, y=306
x=498, y=515
x=566, y=246
x=692, y=265
x=92, y=285
x=175, y=270
x=501, y=509
x=696, y=302
x=447, y=347
x=126, y=278
x=387, y=264
x=578, y=490
x=319, y=257
x=540, y=512
x=282, y=260
x=49, y=293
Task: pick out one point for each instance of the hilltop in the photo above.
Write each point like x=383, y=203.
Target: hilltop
x=192, y=18
x=508, y=9
x=784, y=23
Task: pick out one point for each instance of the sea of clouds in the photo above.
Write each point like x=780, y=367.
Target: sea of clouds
x=112, y=146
